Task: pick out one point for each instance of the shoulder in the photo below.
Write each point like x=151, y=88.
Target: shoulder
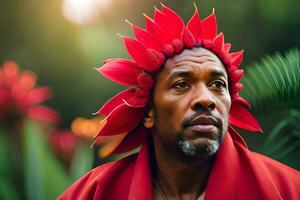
x=92, y=183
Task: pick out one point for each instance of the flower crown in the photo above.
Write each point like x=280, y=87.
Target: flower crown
x=165, y=35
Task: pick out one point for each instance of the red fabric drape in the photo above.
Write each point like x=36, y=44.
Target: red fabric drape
x=237, y=173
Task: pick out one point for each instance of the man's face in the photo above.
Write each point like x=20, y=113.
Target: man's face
x=191, y=103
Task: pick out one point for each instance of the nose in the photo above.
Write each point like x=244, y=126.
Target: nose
x=203, y=99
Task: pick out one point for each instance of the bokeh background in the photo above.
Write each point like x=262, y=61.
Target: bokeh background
x=62, y=41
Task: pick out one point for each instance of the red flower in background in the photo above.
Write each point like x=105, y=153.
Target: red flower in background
x=19, y=98
x=64, y=144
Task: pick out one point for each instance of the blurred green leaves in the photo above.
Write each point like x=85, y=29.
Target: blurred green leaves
x=44, y=176
x=283, y=142
x=274, y=79
x=273, y=84
x=82, y=162
x=7, y=189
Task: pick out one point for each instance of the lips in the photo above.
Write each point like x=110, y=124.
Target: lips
x=202, y=128
x=203, y=123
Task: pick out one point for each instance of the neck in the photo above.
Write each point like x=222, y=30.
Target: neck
x=180, y=177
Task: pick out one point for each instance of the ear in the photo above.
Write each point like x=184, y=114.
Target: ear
x=149, y=119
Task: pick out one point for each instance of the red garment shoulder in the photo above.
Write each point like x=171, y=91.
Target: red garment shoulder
x=275, y=165
x=285, y=178
x=91, y=185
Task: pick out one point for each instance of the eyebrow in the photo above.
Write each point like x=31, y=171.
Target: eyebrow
x=218, y=73
x=214, y=74
x=179, y=74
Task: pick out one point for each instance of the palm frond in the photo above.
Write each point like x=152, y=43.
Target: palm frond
x=283, y=142
x=274, y=81
x=274, y=84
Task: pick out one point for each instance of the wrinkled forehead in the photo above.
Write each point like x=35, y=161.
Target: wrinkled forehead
x=195, y=56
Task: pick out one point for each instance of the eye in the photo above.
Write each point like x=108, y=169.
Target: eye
x=181, y=85
x=218, y=84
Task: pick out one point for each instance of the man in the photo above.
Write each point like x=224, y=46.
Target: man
x=181, y=112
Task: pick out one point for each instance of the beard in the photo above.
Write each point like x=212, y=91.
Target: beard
x=174, y=140
x=198, y=150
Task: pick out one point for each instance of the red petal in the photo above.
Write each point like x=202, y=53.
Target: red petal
x=236, y=58
x=209, y=27
x=122, y=120
x=236, y=75
x=133, y=139
x=218, y=43
x=64, y=143
x=242, y=118
x=122, y=71
x=153, y=28
x=160, y=18
x=164, y=23
x=118, y=60
x=236, y=88
x=10, y=69
x=115, y=101
x=242, y=101
x=43, y=113
x=4, y=97
x=150, y=60
x=137, y=101
x=147, y=39
x=226, y=47
x=158, y=59
x=195, y=26
x=224, y=54
x=188, y=39
x=36, y=95
x=145, y=81
x=174, y=24
x=27, y=80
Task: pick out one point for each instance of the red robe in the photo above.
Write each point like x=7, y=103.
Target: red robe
x=237, y=173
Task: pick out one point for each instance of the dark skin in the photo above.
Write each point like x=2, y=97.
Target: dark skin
x=188, y=120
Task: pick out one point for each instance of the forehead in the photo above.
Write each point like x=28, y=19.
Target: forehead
x=193, y=60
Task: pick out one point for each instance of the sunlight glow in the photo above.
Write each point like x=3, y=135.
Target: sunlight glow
x=83, y=11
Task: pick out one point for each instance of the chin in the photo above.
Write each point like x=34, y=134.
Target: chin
x=201, y=149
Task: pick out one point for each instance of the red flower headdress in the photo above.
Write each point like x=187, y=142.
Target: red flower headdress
x=165, y=35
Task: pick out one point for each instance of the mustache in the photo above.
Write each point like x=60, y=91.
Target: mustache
x=188, y=120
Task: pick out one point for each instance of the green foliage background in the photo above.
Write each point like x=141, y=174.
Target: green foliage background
x=272, y=86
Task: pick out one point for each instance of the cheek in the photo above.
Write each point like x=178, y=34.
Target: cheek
x=224, y=106
x=170, y=108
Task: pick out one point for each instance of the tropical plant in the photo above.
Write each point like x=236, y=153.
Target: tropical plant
x=283, y=142
x=274, y=84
